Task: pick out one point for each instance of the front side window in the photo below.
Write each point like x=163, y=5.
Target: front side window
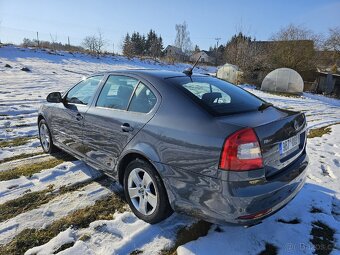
x=116, y=92
x=83, y=91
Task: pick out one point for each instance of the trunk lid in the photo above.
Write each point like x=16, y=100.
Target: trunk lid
x=281, y=133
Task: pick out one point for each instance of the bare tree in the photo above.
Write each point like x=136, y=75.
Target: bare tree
x=238, y=49
x=54, y=41
x=332, y=42
x=251, y=57
x=89, y=43
x=100, y=42
x=94, y=43
x=182, y=40
x=294, y=48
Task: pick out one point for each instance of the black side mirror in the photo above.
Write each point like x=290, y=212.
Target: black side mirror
x=54, y=97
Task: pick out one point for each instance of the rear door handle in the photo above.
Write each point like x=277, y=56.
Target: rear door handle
x=126, y=127
x=79, y=117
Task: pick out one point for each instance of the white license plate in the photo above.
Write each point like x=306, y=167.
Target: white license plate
x=289, y=144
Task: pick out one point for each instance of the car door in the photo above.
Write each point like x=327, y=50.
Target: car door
x=68, y=117
x=123, y=107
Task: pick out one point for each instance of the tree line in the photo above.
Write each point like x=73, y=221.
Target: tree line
x=140, y=45
x=292, y=46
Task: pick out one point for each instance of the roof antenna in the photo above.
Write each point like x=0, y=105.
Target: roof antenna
x=188, y=71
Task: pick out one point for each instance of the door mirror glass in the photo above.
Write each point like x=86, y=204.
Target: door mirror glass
x=54, y=97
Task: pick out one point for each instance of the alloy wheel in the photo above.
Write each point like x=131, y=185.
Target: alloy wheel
x=142, y=191
x=44, y=137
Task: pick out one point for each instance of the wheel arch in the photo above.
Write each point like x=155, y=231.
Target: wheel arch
x=126, y=159
x=134, y=154
x=40, y=117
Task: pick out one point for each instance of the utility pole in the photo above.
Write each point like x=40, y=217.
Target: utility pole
x=38, y=39
x=68, y=41
x=0, y=32
x=216, y=55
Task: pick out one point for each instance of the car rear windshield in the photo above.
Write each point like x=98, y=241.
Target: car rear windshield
x=217, y=96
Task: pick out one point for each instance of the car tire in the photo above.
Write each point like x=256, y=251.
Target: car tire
x=145, y=192
x=45, y=138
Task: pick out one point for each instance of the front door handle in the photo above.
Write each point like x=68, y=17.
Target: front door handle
x=126, y=127
x=79, y=117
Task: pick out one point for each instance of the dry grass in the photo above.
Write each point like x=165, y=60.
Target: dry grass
x=29, y=238
x=283, y=94
x=294, y=221
x=319, y=132
x=21, y=156
x=188, y=234
x=323, y=238
x=15, y=142
x=33, y=200
x=270, y=249
x=28, y=170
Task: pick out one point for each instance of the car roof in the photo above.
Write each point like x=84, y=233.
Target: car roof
x=148, y=73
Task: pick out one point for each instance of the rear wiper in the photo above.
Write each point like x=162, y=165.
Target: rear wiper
x=264, y=106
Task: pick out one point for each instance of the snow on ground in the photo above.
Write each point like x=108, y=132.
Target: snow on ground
x=122, y=235
x=53, y=210
x=65, y=174
x=21, y=93
x=33, y=146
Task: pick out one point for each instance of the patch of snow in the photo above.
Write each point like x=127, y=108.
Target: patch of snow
x=65, y=237
x=324, y=99
x=65, y=174
x=57, y=208
x=127, y=233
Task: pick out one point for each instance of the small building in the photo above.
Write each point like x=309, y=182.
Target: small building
x=206, y=57
x=327, y=83
x=230, y=73
x=174, y=53
x=283, y=80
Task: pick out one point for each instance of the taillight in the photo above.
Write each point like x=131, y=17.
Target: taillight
x=241, y=151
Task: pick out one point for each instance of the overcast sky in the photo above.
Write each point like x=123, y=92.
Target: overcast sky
x=206, y=20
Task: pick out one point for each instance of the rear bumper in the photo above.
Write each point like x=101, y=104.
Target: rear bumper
x=235, y=202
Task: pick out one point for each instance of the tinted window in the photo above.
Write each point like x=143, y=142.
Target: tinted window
x=143, y=99
x=83, y=91
x=218, y=96
x=116, y=92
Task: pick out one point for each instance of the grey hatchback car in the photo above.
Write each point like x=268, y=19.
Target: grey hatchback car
x=185, y=142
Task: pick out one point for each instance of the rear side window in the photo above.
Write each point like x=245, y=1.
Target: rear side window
x=217, y=96
x=143, y=100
